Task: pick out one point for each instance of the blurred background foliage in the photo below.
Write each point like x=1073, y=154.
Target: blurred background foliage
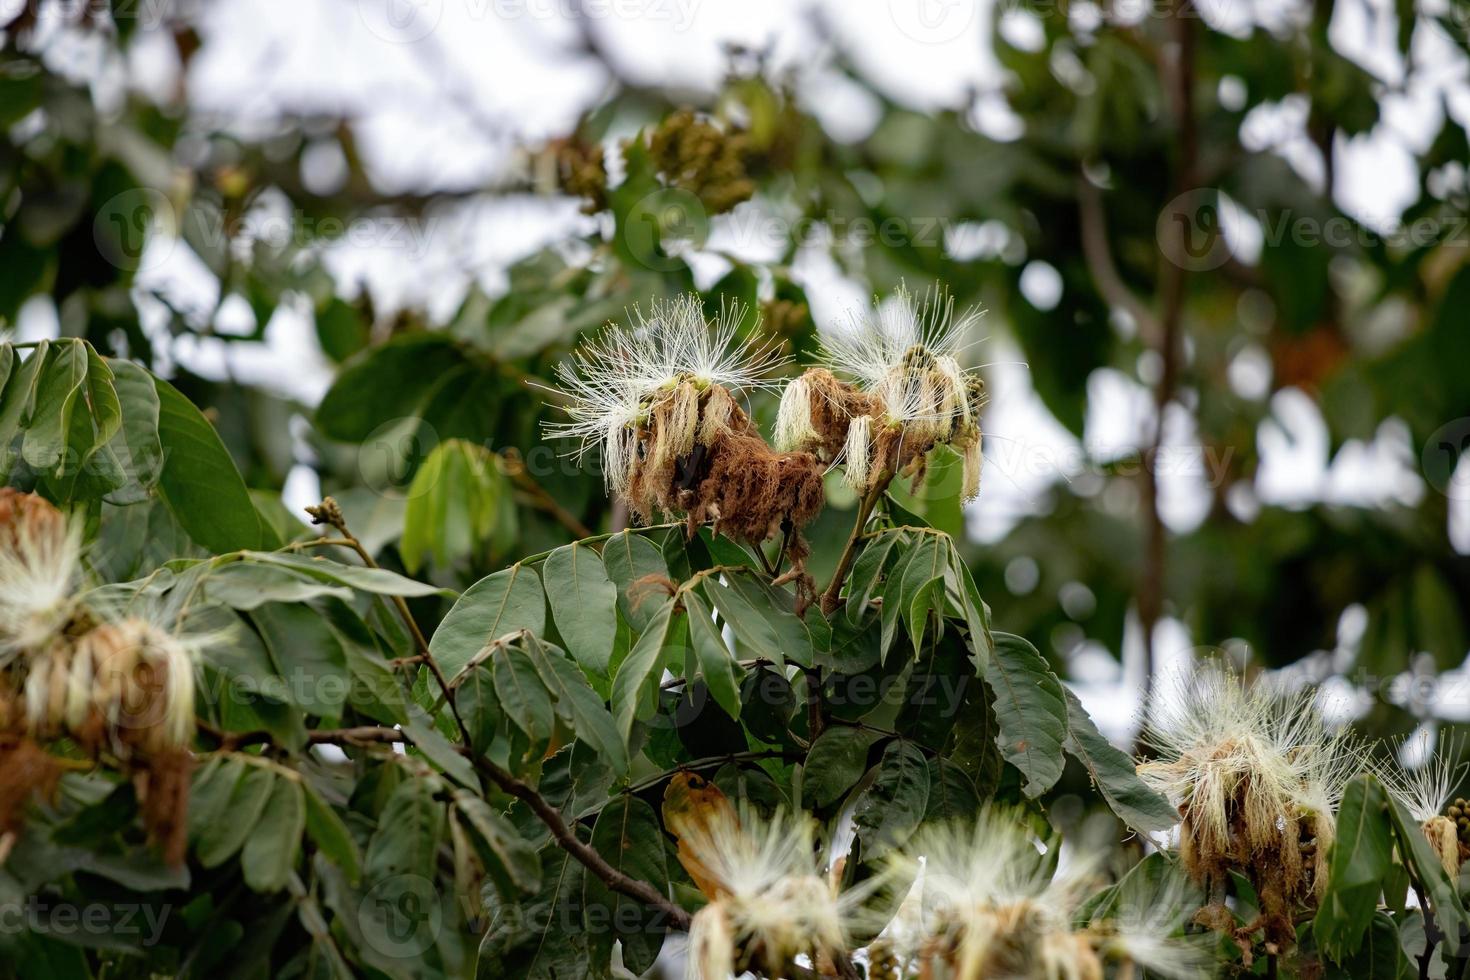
x=1123, y=229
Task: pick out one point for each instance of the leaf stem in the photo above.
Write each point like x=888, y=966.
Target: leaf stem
x=844, y=564
x=329, y=512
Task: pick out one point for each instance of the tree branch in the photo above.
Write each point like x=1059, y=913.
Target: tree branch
x=1092, y=220
x=545, y=812
x=586, y=855
x=1172, y=281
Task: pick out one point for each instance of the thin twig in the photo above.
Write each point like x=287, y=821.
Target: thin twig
x=329, y=512
x=362, y=735
x=787, y=528
x=1098, y=252
x=515, y=468
x=844, y=564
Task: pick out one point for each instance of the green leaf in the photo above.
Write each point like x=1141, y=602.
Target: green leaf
x=498, y=604
x=635, y=686
x=838, y=759
x=1424, y=863
x=438, y=749
x=716, y=663
x=952, y=794
x=1031, y=711
x=406, y=841
x=891, y=807
x=61, y=382
x=523, y=697
x=923, y=586
x=210, y=795
x=628, y=836
x=245, y=586
x=136, y=445
x=629, y=557
x=271, y=850
x=541, y=938
x=893, y=607
x=18, y=398
x=1380, y=955
x=102, y=398
x=1359, y=861
x=867, y=571
x=219, y=841
x=8, y=362
x=377, y=581
x=384, y=384
x=577, y=704
x=762, y=618
x=977, y=614
x=341, y=330
x=199, y=482
x=331, y=835
x=1114, y=774
x=453, y=504
x=307, y=654
x=474, y=695
x=974, y=740
x=584, y=603
x=509, y=859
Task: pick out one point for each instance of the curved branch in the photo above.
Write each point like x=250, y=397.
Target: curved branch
x=585, y=854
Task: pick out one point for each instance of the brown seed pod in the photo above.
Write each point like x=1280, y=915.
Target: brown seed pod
x=700, y=457
x=26, y=769
x=816, y=410
x=162, y=782
x=26, y=513
x=143, y=686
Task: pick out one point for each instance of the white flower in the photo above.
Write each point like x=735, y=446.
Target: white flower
x=988, y=902
x=1216, y=737
x=906, y=353
x=1144, y=926
x=772, y=898
x=612, y=382
x=129, y=680
x=902, y=392
x=1426, y=789
x=1252, y=772
x=40, y=571
x=1425, y=792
